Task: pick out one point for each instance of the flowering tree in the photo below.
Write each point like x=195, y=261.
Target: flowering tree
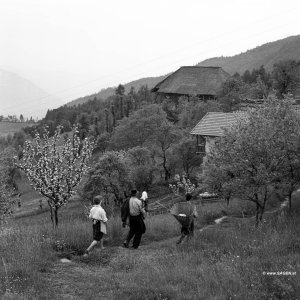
x=55, y=167
x=182, y=183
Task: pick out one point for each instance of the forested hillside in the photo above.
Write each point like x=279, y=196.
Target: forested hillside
x=266, y=55
x=150, y=82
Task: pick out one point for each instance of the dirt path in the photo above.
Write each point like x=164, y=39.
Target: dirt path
x=85, y=278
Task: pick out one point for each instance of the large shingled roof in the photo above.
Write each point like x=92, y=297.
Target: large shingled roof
x=192, y=80
x=213, y=123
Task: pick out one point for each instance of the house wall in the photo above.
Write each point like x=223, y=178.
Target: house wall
x=209, y=143
x=175, y=97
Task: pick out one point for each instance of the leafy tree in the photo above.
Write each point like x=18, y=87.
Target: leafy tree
x=102, y=143
x=138, y=128
x=144, y=94
x=140, y=167
x=172, y=109
x=132, y=92
x=237, y=168
x=286, y=76
x=55, y=167
x=286, y=121
x=251, y=78
x=236, y=75
x=120, y=90
x=259, y=90
x=189, y=113
x=108, y=177
x=163, y=140
x=84, y=122
x=246, y=77
x=185, y=154
x=232, y=93
x=258, y=155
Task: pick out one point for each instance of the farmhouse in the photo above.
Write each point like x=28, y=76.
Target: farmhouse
x=203, y=82
x=212, y=126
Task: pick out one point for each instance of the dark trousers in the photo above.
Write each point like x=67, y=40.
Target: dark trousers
x=137, y=228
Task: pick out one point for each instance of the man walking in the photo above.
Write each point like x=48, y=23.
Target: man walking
x=136, y=221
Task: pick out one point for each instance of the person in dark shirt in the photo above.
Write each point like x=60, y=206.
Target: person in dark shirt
x=188, y=230
x=136, y=221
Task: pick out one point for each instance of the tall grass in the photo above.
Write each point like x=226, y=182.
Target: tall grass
x=219, y=263
x=24, y=253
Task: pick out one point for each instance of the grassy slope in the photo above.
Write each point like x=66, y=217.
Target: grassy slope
x=7, y=128
x=222, y=262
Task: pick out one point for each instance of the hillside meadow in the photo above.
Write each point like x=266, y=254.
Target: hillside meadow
x=225, y=261
x=7, y=128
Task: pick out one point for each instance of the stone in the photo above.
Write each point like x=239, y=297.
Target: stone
x=65, y=260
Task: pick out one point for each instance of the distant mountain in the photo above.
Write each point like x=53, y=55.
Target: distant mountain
x=20, y=96
x=267, y=55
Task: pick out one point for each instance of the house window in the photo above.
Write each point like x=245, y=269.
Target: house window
x=200, y=145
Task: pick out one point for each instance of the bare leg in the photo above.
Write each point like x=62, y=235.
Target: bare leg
x=92, y=245
x=181, y=239
x=101, y=244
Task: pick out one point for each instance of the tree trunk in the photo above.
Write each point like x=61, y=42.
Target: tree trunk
x=257, y=215
x=56, y=216
x=164, y=164
x=121, y=107
x=106, y=121
x=114, y=115
x=167, y=173
x=51, y=213
x=128, y=109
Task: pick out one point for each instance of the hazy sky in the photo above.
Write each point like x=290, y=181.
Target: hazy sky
x=72, y=48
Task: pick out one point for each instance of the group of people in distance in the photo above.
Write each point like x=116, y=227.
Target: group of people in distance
x=137, y=209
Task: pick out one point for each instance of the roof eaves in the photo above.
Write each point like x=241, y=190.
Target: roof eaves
x=199, y=123
x=156, y=87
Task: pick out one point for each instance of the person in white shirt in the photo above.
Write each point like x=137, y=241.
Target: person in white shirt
x=98, y=215
x=136, y=221
x=144, y=199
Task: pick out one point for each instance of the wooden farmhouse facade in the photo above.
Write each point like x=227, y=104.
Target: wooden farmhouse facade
x=203, y=82
x=211, y=127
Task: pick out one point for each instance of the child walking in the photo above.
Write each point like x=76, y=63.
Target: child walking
x=98, y=216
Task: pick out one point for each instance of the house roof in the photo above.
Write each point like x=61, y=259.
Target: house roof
x=193, y=80
x=213, y=123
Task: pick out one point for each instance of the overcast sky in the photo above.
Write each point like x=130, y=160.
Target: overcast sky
x=72, y=48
